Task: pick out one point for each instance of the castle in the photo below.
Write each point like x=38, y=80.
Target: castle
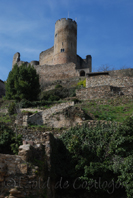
x=60, y=61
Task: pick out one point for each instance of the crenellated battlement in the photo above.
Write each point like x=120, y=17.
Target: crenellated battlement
x=66, y=20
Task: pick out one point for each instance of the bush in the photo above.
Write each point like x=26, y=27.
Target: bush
x=26, y=103
x=82, y=83
x=9, y=142
x=103, y=151
x=57, y=94
x=16, y=142
x=12, y=108
x=58, y=86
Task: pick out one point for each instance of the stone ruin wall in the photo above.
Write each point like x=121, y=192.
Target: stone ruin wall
x=52, y=117
x=42, y=117
x=19, y=171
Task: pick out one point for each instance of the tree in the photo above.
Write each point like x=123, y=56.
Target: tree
x=23, y=83
x=104, y=68
x=9, y=142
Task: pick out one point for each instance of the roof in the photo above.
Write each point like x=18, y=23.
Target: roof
x=97, y=73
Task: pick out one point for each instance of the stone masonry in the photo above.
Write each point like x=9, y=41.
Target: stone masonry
x=20, y=177
x=42, y=117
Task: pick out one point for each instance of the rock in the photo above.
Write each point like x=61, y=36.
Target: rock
x=16, y=193
x=25, y=147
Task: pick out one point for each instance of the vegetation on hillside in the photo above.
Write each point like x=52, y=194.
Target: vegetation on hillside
x=9, y=141
x=84, y=155
x=104, y=154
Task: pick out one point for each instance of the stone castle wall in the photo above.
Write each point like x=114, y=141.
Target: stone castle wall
x=64, y=52
x=46, y=57
x=49, y=73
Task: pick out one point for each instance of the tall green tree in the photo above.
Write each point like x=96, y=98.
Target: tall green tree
x=23, y=83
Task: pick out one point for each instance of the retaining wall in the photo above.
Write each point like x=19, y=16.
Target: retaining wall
x=105, y=91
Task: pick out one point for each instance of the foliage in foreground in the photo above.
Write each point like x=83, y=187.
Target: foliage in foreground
x=103, y=152
x=9, y=141
x=22, y=83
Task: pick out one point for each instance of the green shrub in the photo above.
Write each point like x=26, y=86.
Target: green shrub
x=58, y=86
x=82, y=83
x=16, y=142
x=102, y=151
x=12, y=108
x=9, y=143
x=57, y=94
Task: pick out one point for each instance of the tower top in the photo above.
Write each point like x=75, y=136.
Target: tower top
x=66, y=19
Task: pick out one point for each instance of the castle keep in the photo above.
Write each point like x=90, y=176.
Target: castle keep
x=60, y=61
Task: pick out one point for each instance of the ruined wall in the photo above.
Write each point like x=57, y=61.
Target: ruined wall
x=46, y=57
x=105, y=91
x=102, y=80
x=43, y=117
x=27, y=174
x=51, y=73
x=16, y=58
x=2, y=88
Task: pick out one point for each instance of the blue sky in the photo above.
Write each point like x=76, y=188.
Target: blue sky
x=105, y=30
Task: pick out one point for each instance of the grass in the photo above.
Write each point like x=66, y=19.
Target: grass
x=115, y=109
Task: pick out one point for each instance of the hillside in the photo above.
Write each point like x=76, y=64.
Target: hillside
x=43, y=154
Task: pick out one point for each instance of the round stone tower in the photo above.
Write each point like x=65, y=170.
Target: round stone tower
x=65, y=41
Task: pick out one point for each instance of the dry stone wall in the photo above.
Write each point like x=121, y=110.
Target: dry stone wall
x=102, y=80
x=104, y=91
x=42, y=117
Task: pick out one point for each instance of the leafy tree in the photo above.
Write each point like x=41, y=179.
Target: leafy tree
x=23, y=83
x=104, y=152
